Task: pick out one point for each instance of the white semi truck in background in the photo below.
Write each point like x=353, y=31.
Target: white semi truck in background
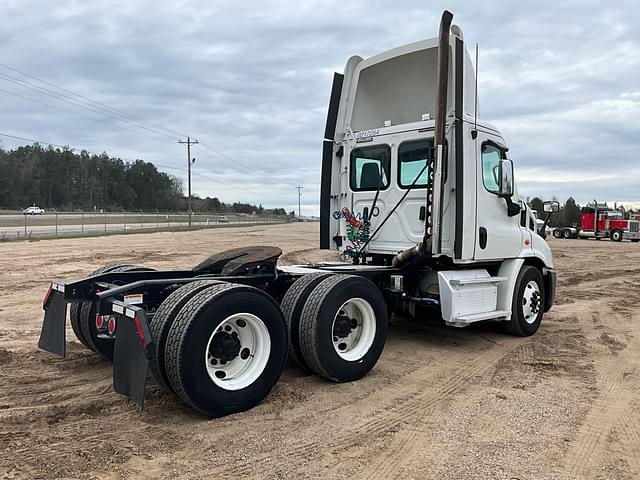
x=418, y=197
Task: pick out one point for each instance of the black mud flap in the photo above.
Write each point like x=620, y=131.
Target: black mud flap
x=52, y=336
x=132, y=350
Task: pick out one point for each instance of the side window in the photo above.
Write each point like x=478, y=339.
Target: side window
x=370, y=168
x=491, y=167
x=412, y=158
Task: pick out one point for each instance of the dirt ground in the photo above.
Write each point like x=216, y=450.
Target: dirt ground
x=441, y=403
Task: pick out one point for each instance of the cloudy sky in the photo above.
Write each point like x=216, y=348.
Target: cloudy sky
x=251, y=81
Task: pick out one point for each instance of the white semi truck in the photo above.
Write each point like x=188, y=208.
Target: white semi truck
x=418, y=197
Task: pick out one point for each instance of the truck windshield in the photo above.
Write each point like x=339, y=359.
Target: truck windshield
x=370, y=168
x=412, y=157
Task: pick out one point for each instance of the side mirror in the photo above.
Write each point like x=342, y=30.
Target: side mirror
x=551, y=207
x=506, y=178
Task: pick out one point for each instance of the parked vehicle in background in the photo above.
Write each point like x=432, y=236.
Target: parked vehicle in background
x=223, y=219
x=541, y=225
x=33, y=211
x=598, y=220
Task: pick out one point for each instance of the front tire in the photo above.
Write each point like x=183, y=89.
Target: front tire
x=226, y=349
x=528, y=303
x=616, y=235
x=343, y=328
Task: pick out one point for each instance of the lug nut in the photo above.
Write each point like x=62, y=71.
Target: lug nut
x=241, y=323
x=244, y=354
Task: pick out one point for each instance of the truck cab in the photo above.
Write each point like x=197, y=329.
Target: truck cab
x=390, y=186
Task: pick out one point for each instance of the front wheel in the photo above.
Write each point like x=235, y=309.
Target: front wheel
x=528, y=303
x=616, y=236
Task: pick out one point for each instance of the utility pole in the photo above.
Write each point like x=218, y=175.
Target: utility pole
x=188, y=143
x=299, y=187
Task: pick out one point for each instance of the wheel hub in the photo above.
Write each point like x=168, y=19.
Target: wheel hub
x=343, y=326
x=225, y=346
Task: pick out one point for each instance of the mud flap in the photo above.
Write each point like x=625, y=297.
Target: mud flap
x=131, y=353
x=53, y=334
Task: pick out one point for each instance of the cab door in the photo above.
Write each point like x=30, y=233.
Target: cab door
x=497, y=234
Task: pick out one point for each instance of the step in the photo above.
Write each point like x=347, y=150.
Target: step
x=478, y=317
x=472, y=281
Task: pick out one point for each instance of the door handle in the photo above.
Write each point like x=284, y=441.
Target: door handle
x=423, y=212
x=483, y=238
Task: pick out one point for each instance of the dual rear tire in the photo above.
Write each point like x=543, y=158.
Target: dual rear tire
x=337, y=325
x=220, y=347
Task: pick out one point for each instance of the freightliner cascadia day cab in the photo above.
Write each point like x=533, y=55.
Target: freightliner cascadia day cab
x=417, y=196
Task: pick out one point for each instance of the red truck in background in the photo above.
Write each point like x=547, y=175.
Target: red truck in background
x=599, y=221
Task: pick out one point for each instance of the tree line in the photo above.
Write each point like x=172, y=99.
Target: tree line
x=62, y=179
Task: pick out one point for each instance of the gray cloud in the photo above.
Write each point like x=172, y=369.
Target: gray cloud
x=252, y=80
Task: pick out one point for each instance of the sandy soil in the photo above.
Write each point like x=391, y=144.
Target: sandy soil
x=441, y=403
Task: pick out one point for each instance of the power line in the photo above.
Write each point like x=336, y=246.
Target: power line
x=32, y=140
x=108, y=111
x=60, y=97
x=89, y=101
x=251, y=169
x=82, y=115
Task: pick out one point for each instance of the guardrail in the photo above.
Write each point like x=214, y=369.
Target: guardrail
x=52, y=224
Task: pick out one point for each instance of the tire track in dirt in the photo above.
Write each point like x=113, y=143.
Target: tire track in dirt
x=617, y=384
x=409, y=406
x=405, y=447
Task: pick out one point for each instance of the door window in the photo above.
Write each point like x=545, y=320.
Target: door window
x=412, y=159
x=370, y=168
x=491, y=156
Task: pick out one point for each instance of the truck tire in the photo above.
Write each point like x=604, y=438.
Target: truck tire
x=635, y=240
x=567, y=233
x=343, y=327
x=558, y=233
x=226, y=349
x=87, y=318
x=527, y=307
x=75, y=310
x=161, y=322
x=616, y=235
x=292, y=305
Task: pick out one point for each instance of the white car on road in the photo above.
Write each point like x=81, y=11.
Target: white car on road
x=33, y=211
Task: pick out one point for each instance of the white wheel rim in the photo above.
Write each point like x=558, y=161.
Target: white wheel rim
x=353, y=342
x=247, y=334
x=531, y=302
